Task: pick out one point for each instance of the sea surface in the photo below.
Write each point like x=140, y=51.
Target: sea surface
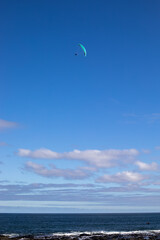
x=63, y=224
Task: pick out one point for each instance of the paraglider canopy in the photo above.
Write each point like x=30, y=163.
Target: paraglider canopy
x=83, y=48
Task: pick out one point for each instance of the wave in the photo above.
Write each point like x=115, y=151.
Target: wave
x=84, y=235
x=108, y=232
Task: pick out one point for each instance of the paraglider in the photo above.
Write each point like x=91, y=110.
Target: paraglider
x=83, y=48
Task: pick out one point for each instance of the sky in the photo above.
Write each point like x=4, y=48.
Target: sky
x=79, y=134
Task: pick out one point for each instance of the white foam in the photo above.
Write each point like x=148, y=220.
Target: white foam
x=11, y=235
x=145, y=232
x=90, y=234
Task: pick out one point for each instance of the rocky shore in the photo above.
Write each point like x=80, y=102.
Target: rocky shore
x=84, y=236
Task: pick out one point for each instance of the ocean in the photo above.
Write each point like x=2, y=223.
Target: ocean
x=74, y=224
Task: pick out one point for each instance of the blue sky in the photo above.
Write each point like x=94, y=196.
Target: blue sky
x=79, y=134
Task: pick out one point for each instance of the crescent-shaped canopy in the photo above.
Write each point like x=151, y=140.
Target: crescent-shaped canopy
x=83, y=48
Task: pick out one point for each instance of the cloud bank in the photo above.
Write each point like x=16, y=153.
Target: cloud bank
x=97, y=162
x=97, y=158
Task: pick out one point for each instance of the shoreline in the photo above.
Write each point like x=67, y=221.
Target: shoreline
x=132, y=235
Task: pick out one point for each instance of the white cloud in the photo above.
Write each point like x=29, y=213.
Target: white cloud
x=98, y=158
x=40, y=153
x=56, y=172
x=122, y=177
x=7, y=124
x=146, y=166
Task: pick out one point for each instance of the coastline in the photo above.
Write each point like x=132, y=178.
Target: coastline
x=132, y=235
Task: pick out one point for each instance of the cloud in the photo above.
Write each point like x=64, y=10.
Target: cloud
x=122, y=177
x=157, y=147
x=56, y=172
x=3, y=144
x=40, y=153
x=76, y=194
x=146, y=166
x=97, y=158
x=7, y=124
x=35, y=187
x=146, y=151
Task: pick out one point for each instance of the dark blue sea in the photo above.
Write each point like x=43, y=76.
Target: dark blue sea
x=43, y=224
